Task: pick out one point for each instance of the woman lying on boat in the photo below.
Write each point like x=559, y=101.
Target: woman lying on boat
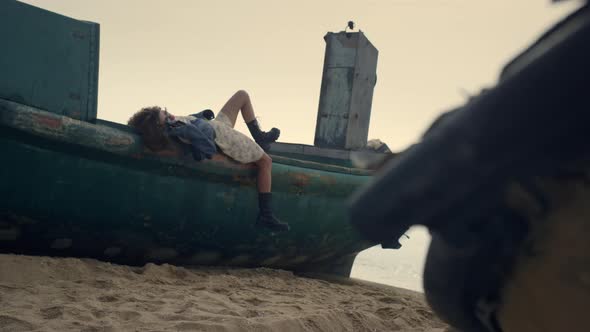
x=207, y=134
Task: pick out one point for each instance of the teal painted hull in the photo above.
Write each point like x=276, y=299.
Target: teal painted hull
x=77, y=189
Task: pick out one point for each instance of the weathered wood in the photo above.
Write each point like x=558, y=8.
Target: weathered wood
x=310, y=150
x=327, y=155
x=119, y=139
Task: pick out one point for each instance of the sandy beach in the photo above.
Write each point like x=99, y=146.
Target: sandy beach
x=69, y=294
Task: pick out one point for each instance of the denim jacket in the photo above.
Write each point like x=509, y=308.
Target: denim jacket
x=198, y=132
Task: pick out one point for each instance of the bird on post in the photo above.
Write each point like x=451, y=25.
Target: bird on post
x=349, y=25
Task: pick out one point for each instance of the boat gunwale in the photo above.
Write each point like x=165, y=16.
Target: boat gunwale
x=106, y=138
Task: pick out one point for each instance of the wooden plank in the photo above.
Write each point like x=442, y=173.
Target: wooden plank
x=314, y=151
x=309, y=150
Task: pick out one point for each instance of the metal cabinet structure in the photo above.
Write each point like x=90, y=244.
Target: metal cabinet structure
x=346, y=95
x=48, y=61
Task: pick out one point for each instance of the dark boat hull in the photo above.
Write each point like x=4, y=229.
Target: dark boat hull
x=77, y=189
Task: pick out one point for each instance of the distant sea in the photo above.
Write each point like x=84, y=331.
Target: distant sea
x=401, y=268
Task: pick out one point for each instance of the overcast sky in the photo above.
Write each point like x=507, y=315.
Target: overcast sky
x=192, y=54
x=189, y=55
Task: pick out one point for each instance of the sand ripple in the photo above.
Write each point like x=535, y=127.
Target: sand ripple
x=68, y=294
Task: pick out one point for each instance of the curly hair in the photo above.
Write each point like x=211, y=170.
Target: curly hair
x=147, y=123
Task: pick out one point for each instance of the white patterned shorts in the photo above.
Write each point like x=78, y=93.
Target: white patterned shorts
x=233, y=143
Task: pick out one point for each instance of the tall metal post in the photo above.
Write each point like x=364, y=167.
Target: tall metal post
x=348, y=79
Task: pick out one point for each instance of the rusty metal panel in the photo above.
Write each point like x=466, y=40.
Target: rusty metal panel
x=341, y=50
x=334, y=101
x=48, y=61
x=347, y=90
x=365, y=78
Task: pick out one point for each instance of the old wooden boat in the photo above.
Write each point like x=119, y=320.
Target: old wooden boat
x=75, y=185
x=81, y=189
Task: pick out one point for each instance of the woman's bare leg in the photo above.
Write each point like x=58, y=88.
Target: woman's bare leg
x=264, y=178
x=240, y=101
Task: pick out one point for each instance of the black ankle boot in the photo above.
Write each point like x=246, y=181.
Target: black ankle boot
x=265, y=216
x=263, y=138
